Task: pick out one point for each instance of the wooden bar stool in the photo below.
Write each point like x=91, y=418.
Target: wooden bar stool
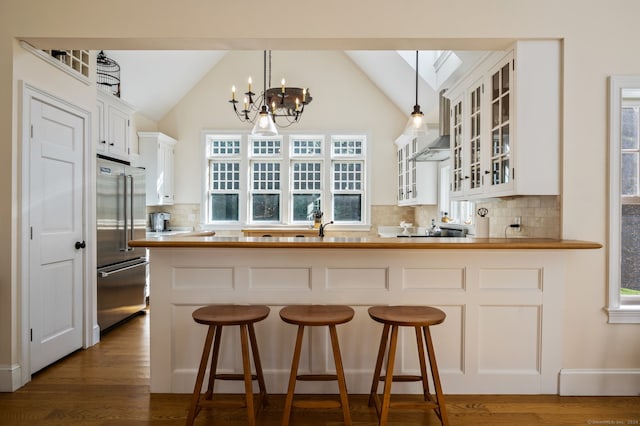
x=419, y=317
x=317, y=315
x=216, y=317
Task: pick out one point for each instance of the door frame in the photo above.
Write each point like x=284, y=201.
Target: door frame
x=90, y=332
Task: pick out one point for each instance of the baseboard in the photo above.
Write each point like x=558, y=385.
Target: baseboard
x=600, y=382
x=95, y=335
x=10, y=377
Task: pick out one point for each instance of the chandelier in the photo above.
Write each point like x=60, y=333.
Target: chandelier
x=275, y=106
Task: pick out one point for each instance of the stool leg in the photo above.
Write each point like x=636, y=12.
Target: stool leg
x=423, y=365
x=292, y=377
x=248, y=388
x=342, y=385
x=258, y=365
x=214, y=362
x=442, y=409
x=195, y=398
x=376, y=372
x=388, y=380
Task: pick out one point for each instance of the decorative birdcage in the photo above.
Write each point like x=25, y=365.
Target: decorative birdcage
x=108, y=74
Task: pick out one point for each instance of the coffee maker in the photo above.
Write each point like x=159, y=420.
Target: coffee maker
x=159, y=221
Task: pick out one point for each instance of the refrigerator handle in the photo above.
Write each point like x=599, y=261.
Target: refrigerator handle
x=131, y=210
x=128, y=212
x=125, y=229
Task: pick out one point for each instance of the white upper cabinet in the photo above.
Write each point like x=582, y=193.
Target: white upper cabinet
x=157, y=157
x=505, y=124
x=114, y=121
x=417, y=180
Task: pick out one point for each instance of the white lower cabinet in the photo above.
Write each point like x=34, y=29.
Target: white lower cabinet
x=506, y=118
x=157, y=157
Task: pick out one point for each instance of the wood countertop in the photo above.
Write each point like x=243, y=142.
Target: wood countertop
x=198, y=240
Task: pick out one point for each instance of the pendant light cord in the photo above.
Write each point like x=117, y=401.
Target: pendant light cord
x=264, y=79
x=416, y=77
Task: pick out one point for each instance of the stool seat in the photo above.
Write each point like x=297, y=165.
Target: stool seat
x=408, y=316
x=216, y=317
x=317, y=315
x=420, y=318
x=230, y=314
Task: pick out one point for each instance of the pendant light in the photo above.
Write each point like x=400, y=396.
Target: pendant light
x=416, y=126
x=265, y=126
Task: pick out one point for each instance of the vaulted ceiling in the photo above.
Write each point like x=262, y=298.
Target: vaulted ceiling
x=143, y=73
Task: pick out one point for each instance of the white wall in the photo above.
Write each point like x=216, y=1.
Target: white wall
x=344, y=100
x=599, y=39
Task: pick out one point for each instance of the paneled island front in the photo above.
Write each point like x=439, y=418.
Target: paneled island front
x=503, y=299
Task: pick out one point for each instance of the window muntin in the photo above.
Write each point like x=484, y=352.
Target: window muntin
x=266, y=146
x=306, y=146
x=347, y=190
x=225, y=187
x=283, y=180
x=630, y=151
x=345, y=146
x=223, y=178
x=224, y=146
x=265, y=191
x=306, y=189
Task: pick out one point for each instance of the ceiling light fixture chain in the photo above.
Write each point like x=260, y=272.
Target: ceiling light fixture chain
x=281, y=106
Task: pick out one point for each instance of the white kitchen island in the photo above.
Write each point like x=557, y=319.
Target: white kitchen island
x=503, y=299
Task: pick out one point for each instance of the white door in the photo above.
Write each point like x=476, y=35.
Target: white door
x=56, y=225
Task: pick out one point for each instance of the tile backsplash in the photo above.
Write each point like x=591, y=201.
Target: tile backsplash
x=540, y=216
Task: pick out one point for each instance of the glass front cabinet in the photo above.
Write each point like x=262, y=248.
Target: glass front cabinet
x=456, y=138
x=505, y=127
x=417, y=180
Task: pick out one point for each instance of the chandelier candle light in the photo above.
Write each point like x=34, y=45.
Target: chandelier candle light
x=281, y=106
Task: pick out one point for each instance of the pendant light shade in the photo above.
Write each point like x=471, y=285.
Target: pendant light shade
x=264, y=125
x=416, y=126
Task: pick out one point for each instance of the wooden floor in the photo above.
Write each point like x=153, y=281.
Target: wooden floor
x=108, y=384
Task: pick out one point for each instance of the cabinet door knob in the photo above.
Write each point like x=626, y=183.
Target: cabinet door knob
x=80, y=245
x=111, y=144
x=103, y=142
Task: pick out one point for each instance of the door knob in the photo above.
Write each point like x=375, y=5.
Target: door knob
x=80, y=245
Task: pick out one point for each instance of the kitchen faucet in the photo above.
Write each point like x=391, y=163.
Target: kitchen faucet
x=321, y=230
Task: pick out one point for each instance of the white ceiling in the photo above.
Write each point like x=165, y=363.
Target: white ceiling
x=155, y=81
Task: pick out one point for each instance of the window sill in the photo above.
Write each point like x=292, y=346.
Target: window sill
x=624, y=315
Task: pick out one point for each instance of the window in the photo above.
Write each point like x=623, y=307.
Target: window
x=347, y=179
x=624, y=204
x=288, y=178
x=223, y=178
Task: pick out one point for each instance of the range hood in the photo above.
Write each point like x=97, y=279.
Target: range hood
x=438, y=149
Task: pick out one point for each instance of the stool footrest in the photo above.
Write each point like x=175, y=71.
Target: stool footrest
x=316, y=377
x=231, y=376
x=317, y=404
x=404, y=378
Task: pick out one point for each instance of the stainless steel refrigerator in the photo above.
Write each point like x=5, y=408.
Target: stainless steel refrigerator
x=121, y=217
